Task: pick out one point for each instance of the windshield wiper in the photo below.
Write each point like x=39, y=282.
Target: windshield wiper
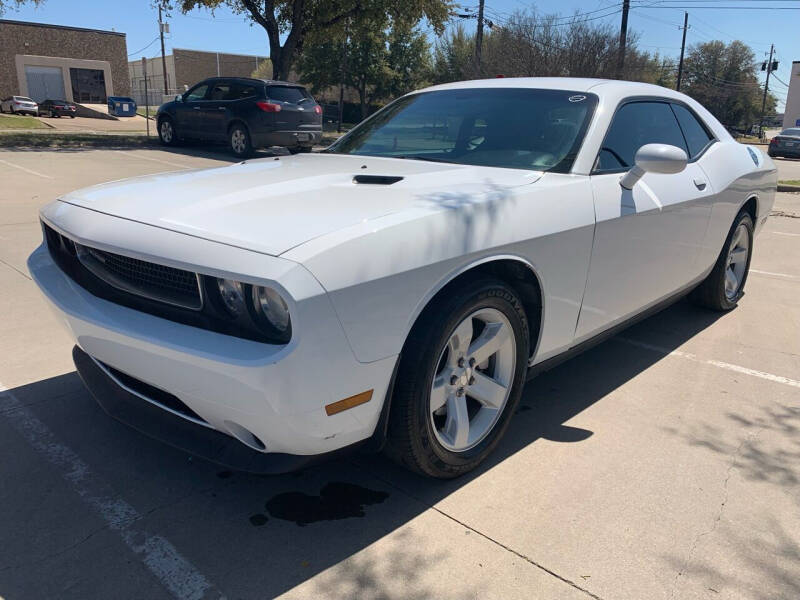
x=425, y=158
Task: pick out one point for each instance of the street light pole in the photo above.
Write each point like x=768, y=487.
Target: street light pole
x=683, y=47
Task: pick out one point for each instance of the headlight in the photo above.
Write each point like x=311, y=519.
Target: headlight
x=255, y=311
x=270, y=306
x=232, y=296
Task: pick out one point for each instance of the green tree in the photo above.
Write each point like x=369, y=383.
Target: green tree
x=299, y=20
x=380, y=59
x=723, y=78
x=5, y=4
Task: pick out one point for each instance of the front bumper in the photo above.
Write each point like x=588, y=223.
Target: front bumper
x=204, y=442
x=238, y=387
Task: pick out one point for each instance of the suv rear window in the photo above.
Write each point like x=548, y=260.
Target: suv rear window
x=281, y=93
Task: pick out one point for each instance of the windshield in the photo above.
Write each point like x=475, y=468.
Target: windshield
x=493, y=127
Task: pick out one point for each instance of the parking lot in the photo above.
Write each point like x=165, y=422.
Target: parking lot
x=664, y=463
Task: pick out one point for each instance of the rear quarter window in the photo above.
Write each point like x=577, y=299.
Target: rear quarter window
x=697, y=136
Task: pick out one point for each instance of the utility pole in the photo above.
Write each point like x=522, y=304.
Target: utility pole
x=479, y=36
x=623, y=37
x=766, y=89
x=683, y=47
x=161, y=27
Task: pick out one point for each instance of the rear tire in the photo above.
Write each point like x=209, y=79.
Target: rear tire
x=239, y=141
x=299, y=149
x=439, y=390
x=724, y=286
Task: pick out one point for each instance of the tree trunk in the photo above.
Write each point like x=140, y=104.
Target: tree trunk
x=280, y=64
x=362, y=95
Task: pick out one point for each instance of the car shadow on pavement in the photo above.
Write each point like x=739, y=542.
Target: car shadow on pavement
x=256, y=536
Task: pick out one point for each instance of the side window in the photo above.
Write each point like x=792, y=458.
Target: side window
x=634, y=125
x=240, y=91
x=697, y=136
x=220, y=91
x=197, y=93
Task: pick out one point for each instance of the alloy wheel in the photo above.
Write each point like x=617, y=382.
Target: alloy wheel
x=166, y=131
x=238, y=141
x=473, y=380
x=736, y=265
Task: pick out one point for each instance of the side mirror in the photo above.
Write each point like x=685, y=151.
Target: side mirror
x=178, y=98
x=655, y=158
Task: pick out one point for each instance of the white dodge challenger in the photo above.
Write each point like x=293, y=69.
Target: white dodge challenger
x=395, y=289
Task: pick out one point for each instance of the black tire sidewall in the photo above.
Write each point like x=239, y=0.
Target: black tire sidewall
x=486, y=294
x=248, y=148
x=174, y=131
x=726, y=302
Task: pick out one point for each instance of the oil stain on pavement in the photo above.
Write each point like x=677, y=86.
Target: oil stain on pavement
x=336, y=500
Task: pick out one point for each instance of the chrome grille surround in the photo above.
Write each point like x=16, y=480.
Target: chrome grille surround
x=142, y=278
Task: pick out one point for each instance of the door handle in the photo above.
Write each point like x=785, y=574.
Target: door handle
x=700, y=184
x=220, y=108
x=196, y=107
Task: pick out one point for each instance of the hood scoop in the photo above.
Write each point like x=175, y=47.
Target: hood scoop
x=377, y=179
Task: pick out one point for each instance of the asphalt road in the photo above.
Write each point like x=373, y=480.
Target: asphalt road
x=662, y=464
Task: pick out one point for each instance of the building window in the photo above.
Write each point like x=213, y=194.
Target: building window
x=88, y=85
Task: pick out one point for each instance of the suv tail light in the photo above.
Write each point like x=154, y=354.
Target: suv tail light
x=773, y=141
x=268, y=106
x=318, y=109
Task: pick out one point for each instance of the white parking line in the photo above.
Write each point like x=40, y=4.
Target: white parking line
x=785, y=233
x=5, y=162
x=158, y=160
x=175, y=572
x=784, y=275
x=714, y=363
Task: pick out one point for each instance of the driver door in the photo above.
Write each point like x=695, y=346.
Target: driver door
x=188, y=113
x=647, y=239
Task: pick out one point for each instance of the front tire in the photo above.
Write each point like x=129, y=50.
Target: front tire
x=724, y=286
x=167, y=133
x=459, y=380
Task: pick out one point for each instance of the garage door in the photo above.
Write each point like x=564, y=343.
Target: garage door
x=44, y=83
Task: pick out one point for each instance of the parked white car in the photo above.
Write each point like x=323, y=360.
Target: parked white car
x=19, y=105
x=398, y=287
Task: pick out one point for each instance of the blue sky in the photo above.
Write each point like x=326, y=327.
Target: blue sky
x=657, y=21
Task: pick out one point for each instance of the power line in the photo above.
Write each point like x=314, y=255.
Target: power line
x=145, y=48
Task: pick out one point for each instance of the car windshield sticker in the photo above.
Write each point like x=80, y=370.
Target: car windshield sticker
x=577, y=98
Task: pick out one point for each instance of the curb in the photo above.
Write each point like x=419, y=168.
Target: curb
x=788, y=188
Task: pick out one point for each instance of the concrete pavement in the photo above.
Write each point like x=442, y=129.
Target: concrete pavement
x=664, y=463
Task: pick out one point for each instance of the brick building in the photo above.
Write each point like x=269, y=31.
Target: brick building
x=69, y=63
x=185, y=68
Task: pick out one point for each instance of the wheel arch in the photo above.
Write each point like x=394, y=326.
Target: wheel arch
x=751, y=207
x=516, y=271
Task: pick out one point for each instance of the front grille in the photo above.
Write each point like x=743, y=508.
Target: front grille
x=151, y=280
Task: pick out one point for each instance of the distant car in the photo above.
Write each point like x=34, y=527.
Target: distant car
x=786, y=143
x=245, y=113
x=19, y=105
x=57, y=108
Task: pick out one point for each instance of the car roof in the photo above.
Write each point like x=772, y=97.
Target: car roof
x=573, y=84
x=255, y=80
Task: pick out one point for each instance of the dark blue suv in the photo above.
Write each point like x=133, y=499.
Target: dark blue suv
x=245, y=113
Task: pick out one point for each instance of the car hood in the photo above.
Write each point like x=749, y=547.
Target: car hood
x=274, y=204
